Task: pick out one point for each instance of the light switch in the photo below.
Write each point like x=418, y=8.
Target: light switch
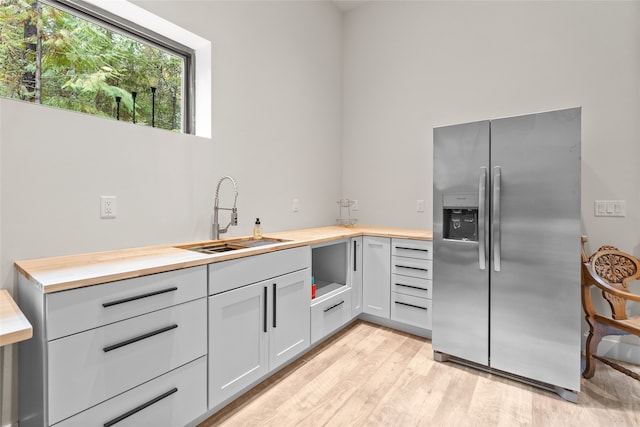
x=609, y=208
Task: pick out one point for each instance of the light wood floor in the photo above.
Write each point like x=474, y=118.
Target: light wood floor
x=369, y=375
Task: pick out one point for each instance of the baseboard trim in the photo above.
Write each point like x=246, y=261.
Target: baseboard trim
x=613, y=348
x=393, y=324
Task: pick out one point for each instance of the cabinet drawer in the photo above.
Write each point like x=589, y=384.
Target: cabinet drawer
x=85, y=308
x=411, y=310
x=173, y=399
x=412, y=267
x=420, y=249
x=330, y=314
x=227, y=275
x=421, y=288
x=90, y=367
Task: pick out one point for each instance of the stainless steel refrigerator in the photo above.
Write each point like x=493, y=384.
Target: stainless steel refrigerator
x=506, y=236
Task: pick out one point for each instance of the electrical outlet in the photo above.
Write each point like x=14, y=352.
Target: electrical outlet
x=296, y=205
x=355, y=206
x=420, y=205
x=107, y=206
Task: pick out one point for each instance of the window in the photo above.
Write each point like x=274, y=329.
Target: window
x=73, y=55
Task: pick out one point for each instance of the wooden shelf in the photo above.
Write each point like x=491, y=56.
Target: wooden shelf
x=14, y=326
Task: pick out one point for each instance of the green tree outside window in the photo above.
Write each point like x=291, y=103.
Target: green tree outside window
x=52, y=57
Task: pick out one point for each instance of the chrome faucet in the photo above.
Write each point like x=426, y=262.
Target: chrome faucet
x=216, y=230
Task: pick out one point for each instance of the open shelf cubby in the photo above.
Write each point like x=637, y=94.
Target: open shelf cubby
x=329, y=267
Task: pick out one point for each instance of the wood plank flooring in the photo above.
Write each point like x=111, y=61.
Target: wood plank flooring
x=369, y=375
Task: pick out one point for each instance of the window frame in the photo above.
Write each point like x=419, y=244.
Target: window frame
x=117, y=23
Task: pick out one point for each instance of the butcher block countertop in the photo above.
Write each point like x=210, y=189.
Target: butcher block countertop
x=14, y=326
x=74, y=271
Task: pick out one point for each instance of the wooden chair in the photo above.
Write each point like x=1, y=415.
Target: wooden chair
x=611, y=271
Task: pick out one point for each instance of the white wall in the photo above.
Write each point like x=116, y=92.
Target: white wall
x=276, y=90
x=411, y=66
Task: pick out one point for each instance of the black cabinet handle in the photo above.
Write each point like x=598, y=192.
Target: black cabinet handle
x=412, y=268
x=264, y=320
x=412, y=249
x=141, y=296
x=355, y=255
x=141, y=407
x=139, y=338
x=411, y=305
x=409, y=286
x=275, y=311
x=333, y=306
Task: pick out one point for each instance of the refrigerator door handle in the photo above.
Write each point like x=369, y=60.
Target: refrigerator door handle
x=496, y=218
x=482, y=189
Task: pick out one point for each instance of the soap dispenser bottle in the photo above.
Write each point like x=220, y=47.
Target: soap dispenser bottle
x=257, y=230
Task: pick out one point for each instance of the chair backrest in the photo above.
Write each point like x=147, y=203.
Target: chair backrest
x=583, y=253
x=617, y=269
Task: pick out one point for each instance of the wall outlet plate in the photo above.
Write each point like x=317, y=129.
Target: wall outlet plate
x=107, y=206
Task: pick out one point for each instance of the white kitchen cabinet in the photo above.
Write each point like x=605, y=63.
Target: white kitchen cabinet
x=238, y=345
x=290, y=328
x=411, y=286
x=92, y=366
x=337, y=268
x=376, y=276
x=411, y=310
x=228, y=275
x=255, y=328
x=355, y=275
x=89, y=307
x=92, y=344
x=329, y=314
x=173, y=399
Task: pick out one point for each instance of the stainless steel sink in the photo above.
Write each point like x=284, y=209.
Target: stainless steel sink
x=232, y=245
x=251, y=243
x=214, y=249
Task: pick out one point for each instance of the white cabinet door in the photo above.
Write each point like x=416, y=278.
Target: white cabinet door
x=238, y=340
x=290, y=333
x=254, y=329
x=355, y=272
x=376, y=276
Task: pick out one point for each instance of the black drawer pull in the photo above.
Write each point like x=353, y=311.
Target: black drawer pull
x=412, y=287
x=139, y=338
x=412, y=249
x=140, y=408
x=275, y=307
x=137, y=297
x=412, y=268
x=333, y=306
x=411, y=305
x=264, y=320
x=355, y=255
